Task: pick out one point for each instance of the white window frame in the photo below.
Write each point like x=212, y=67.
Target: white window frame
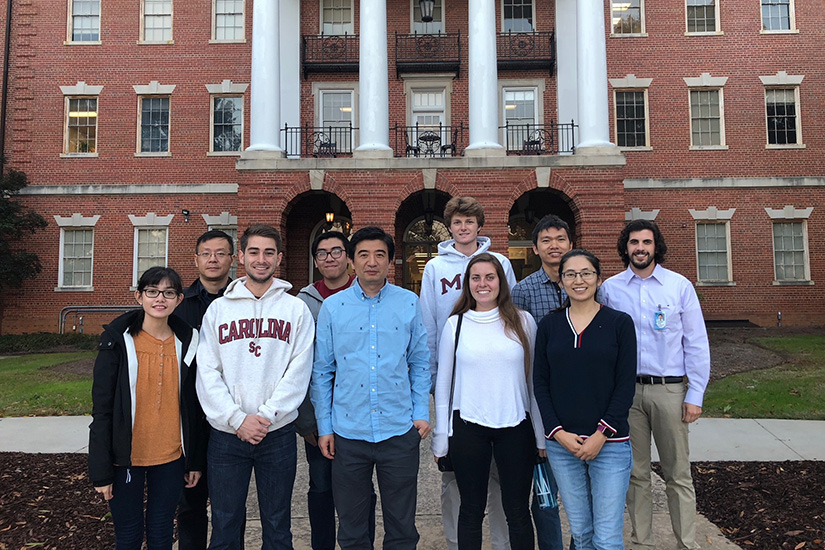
x=791, y=22
x=782, y=80
x=713, y=216
x=534, y=85
x=149, y=222
x=706, y=83
x=70, y=41
x=349, y=28
x=225, y=89
x=631, y=83
x=143, y=16
x=718, y=23
x=81, y=90
x=153, y=89
x=428, y=27
x=532, y=17
x=228, y=224
x=215, y=39
x=75, y=222
x=789, y=214
x=641, y=14
x=321, y=88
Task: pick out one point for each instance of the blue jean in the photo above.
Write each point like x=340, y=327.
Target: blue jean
x=163, y=484
x=593, y=493
x=548, y=523
x=230, y=462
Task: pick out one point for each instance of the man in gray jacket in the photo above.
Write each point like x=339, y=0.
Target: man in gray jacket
x=329, y=251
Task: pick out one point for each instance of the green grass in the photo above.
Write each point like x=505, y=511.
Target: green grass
x=30, y=387
x=795, y=389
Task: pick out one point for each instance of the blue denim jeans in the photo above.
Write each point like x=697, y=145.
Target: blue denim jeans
x=593, y=493
x=230, y=462
x=163, y=484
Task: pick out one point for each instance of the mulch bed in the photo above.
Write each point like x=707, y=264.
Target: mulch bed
x=46, y=502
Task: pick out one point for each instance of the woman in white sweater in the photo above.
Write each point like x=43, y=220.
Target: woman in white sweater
x=487, y=410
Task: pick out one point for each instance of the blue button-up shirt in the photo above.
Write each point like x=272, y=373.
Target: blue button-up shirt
x=371, y=376
x=679, y=348
x=538, y=294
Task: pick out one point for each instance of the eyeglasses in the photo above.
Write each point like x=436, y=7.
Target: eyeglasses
x=585, y=275
x=169, y=293
x=218, y=255
x=336, y=253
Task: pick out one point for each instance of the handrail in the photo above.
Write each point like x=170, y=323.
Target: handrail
x=90, y=309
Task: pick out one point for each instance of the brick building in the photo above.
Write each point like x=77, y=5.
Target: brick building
x=142, y=123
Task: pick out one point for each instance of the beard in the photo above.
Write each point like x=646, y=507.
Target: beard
x=641, y=263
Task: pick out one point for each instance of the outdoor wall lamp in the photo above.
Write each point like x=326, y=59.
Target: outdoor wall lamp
x=185, y=213
x=426, y=10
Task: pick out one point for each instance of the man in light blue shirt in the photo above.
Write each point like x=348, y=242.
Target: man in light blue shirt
x=370, y=389
x=672, y=370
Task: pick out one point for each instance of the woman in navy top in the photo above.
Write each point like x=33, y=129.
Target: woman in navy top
x=584, y=381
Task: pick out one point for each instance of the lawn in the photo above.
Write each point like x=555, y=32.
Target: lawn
x=38, y=385
x=795, y=389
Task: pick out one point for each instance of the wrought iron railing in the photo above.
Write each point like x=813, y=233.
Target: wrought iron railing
x=518, y=50
x=428, y=141
x=540, y=139
x=330, y=53
x=314, y=141
x=427, y=52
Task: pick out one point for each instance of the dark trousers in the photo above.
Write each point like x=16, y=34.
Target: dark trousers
x=192, y=518
x=395, y=460
x=472, y=446
x=163, y=484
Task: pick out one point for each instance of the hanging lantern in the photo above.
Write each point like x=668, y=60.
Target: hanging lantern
x=426, y=10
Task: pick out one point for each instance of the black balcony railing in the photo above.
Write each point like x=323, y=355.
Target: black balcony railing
x=422, y=53
x=526, y=50
x=313, y=141
x=330, y=54
x=428, y=141
x=540, y=139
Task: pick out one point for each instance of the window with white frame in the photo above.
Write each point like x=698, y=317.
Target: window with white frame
x=517, y=16
x=782, y=111
x=232, y=231
x=336, y=17
x=156, y=21
x=631, y=118
x=228, y=20
x=433, y=27
x=520, y=120
x=778, y=15
x=227, y=124
x=336, y=118
x=713, y=251
x=84, y=21
x=154, y=124
x=790, y=244
x=628, y=17
x=81, y=125
x=151, y=242
x=427, y=108
x=702, y=16
x=76, y=251
x=706, y=118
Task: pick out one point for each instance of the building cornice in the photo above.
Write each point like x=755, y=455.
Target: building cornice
x=721, y=183
x=134, y=189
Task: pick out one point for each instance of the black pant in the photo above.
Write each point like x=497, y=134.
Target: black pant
x=192, y=518
x=472, y=446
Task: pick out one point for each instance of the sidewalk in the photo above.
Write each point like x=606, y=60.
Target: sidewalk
x=711, y=439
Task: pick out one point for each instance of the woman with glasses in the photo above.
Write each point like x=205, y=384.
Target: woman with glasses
x=147, y=428
x=584, y=380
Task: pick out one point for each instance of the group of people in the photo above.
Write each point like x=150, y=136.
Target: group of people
x=563, y=367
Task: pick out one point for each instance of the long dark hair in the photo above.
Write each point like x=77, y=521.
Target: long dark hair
x=508, y=311
x=152, y=277
x=592, y=258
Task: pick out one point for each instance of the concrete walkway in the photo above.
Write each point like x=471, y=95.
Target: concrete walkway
x=711, y=439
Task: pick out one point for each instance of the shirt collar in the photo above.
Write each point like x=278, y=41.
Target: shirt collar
x=657, y=275
x=364, y=296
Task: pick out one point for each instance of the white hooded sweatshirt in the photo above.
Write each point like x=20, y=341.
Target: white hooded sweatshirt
x=441, y=286
x=255, y=356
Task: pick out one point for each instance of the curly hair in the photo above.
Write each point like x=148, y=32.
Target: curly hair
x=640, y=225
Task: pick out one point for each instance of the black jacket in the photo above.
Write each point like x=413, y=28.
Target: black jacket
x=110, y=434
x=195, y=303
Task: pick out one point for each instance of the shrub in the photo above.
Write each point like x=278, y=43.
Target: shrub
x=46, y=341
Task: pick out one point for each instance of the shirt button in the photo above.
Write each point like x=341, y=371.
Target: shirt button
x=373, y=326
x=373, y=368
x=373, y=389
x=373, y=347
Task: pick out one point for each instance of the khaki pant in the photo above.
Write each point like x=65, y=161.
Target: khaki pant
x=657, y=409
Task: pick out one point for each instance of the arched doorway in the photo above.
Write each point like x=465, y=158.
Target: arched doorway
x=419, y=228
x=525, y=213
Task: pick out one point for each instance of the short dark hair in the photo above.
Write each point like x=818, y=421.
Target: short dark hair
x=329, y=235
x=371, y=233
x=548, y=221
x=215, y=234
x=640, y=225
x=261, y=230
x=465, y=206
x=152, y=277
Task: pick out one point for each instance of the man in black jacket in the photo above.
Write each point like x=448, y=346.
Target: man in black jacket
x=214, y=254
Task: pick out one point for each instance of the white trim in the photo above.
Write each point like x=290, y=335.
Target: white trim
x=718, y=22
x=67, y=99
x=720, y=183
x=630, y=81
x=711, y=213
x=139, y=134
x=154, y=88
x=637, y=213
x=633, y=34
x=70, y=28
x=319, y=88
x=501, y=22
x=211, y=148
x=350, y=30
x=61, y=260
x=81, y=88
x=225, y=219
x=132, y=189
x=706, y=81
x=791, y=21
x=789, y=213
x=151, y=220
x=799, y=144
x=213, y=40
x=781, y=78
x=728, y=256
x=76, y=220
x=722, y=145
x=142, y=36
x=646, y=146
x=226, y=87
x=806, y=260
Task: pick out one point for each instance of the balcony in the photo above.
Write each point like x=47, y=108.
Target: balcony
x=539, y=139
x=427, y=53
x=330, y=54
x=319, y=142
x=428, y=141
x=526, y=50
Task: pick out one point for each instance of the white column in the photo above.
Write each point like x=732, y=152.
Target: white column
x=483, y=79
x=265, y=93
x=373, y=89
x=591, y=57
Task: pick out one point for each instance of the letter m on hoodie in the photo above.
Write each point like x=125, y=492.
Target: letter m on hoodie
x=446, y=284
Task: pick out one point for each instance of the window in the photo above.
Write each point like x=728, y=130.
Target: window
x=154, y=125
x=156, y=22
x=778, y=15
x=518, y=16
x=713, y=251
x=790, y=251
x=232, y=231
x=336, y=17
x=427, y=108
x=151, y=242
x=336, y=117
x=631, y=118
x=76, y=251
x=81, y=125
x=781, y=111
x=227, y=123
x=628, y=16
x=706, y=118
x=433, y=27
x=519, y=115
x=84, y=20
x=228, y=20
x=702, y=16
